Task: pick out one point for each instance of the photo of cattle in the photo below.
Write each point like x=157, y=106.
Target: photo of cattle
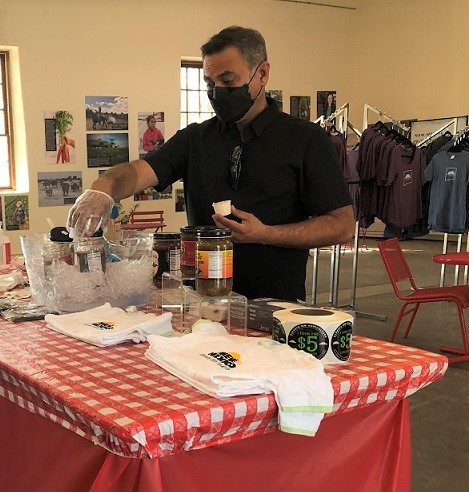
x=104, y=113
x=58, y=188
x=107, y=149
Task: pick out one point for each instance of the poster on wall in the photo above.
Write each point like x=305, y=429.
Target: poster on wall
x=107, y=149
x=59, y=139
x=152, y=194
x=326, y=103
x=420, y=129
x=277, y=96
x=150, y=131
x=104, y=113
x=180, y=204
x=16, y=212
x=300, y=106
x=58, y=188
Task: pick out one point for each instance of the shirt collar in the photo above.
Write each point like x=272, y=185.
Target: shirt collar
x=260, y=122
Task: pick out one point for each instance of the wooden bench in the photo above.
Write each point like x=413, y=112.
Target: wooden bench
x=149, y=219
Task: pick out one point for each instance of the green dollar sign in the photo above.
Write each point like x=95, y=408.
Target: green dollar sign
x=301, y=343
x=342, y=341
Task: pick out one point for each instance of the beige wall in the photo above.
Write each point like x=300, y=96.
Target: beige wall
x=411, y=58
x=402, y=56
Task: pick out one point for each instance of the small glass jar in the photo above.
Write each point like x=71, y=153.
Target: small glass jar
x=167, y=258
x=55, y=251
x=90, y=254
x=188, y=241
x=214, y=262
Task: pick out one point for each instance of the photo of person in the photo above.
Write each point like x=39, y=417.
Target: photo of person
x=104, y=113
x=326, y=103
x=16, y=212
x=58, y=137
x=180, y=205
x=300, y=106
x=150, y=131
x=277, y=96
x=55, y=189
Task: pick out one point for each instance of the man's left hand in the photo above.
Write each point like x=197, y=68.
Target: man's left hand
x=248, y=230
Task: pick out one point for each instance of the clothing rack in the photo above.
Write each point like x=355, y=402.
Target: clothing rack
x=382, y=114
x=430, y=137
x=341, y=123
x=341, y=117
x=358, y=133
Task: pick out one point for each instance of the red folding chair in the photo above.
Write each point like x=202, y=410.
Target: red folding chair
x=399, y=272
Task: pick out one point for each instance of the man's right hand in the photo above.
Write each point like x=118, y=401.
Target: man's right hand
x=90, y=212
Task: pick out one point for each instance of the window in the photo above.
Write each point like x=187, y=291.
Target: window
x=195, y=106
x=6, y=138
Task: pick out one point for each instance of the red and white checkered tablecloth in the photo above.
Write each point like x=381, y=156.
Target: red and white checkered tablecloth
x=124, y=402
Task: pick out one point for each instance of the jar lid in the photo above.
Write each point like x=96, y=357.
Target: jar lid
x=213, y=232
x=166, y=235
x=192, y=229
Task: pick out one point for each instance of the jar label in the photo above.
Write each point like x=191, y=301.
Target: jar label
x=174, y=260
x=215, y=264
x=94, y=261
x=188, y=253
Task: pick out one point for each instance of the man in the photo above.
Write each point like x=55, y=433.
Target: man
x=280, y=173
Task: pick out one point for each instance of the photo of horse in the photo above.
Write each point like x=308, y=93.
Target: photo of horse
x=104, y=113
x=58, y=188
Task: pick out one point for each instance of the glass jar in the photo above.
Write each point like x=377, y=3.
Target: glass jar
x=55, y=251
x=188, y=241
x=214, y=262
x=90, y=255
x=167, y=248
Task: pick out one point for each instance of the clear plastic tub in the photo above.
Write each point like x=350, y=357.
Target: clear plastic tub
x=127, y=280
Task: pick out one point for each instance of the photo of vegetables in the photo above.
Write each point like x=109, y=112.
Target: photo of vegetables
x=58, y=137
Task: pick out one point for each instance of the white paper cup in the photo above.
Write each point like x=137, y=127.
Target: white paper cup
x=222, y=208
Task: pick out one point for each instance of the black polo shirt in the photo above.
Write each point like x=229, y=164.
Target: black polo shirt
x=289, y=172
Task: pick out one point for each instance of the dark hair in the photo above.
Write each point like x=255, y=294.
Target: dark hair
x=249, y=42
x=150, y=117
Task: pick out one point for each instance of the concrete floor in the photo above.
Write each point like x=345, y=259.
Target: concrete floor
x=440, y=434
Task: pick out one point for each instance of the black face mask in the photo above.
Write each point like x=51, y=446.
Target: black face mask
x=232, y=103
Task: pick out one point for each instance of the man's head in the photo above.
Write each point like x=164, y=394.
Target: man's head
x=235, y=57
x=249, y=42
x=151, y=122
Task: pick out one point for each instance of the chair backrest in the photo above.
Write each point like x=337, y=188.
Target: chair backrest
x=396, y=265
x=147, y=216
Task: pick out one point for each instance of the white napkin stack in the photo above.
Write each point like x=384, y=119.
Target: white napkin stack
x=223, y=365
x=107, y=325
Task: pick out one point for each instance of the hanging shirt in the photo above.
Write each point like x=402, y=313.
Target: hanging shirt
x=405, y=177
x=449, y=174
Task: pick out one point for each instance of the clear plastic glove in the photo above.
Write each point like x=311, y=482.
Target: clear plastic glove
x=90, y=212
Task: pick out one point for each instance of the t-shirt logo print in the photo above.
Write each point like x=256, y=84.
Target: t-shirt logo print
x=226, y=360
x=103, y=325
x=407, y=180
x=450, y=174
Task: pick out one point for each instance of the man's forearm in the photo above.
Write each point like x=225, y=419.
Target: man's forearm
x=325, y=230
x=125, y=180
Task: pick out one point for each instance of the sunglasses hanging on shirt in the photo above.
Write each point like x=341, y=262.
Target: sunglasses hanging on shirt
x=235, y=169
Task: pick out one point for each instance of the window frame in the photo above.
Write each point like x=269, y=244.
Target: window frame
x=7, y=113
x=185, y=111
